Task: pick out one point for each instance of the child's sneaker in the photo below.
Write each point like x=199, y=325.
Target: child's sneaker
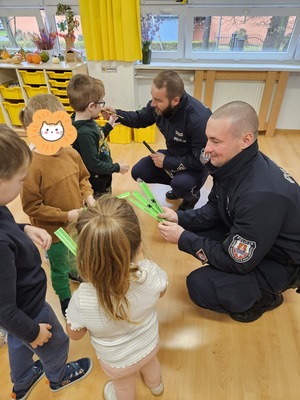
x=3, y=338
x=76, y=370
x=38, y=373
x=109, y=391
x=159, y=390
x=46, y=258
x=64, y=305
x=75, y=278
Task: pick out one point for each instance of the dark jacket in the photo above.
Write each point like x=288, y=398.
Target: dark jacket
x=23, y=281
x=259, y=203
x=184, y=131
x=93, y=147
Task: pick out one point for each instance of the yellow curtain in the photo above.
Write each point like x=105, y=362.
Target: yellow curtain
x=111, y=29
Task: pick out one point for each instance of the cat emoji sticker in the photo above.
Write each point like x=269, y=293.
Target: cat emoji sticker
x=49, y=132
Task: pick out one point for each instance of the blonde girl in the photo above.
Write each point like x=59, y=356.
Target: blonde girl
x=116, y=302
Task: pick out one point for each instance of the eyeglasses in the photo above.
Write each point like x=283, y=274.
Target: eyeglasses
x=101, y=103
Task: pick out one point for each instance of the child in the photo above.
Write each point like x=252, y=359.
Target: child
x=86, y=97
x=116, y=304
x=30, y=322
x=54, y=191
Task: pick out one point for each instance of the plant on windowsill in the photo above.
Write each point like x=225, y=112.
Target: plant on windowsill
x=44, y=40
x=150, y=25
x=68, y=26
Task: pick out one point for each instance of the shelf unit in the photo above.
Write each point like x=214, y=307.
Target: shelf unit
x=33, y=79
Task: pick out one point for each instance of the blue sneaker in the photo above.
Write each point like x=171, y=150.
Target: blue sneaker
x=38, y=373
x=76, y=370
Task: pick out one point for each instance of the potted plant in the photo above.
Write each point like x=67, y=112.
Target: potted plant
x=44, y=40
x=150, y=25
x=68, y=26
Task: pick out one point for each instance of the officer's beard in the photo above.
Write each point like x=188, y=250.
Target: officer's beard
x=167, y=112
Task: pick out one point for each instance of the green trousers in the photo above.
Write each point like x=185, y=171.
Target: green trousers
x=62, y=262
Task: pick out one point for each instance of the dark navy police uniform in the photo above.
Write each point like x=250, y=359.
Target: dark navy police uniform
x=247, y=236
x=184, y=132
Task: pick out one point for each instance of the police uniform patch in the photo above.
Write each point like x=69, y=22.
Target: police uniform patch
x=202, y=256
x=181, y=167
x=240, y=249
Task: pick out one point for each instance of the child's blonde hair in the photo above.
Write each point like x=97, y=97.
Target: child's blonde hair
x=83, y=90
x=109, y=238
x=39, y=102
x=15, y=154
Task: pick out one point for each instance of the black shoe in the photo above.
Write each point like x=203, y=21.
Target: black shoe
x=64, y=305
x=74, y=278
x=171, y=195
x=268, y=302
x=187, y=204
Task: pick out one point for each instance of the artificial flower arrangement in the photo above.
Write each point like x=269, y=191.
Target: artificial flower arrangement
x=45, y=40
x=150, y=25
x=68, y=26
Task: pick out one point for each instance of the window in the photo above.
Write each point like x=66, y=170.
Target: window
x=15, y=26
x=194, y=32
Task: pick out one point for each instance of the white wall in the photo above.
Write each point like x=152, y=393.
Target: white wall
x=129, y=89
x=289, y=116
x=118, y=79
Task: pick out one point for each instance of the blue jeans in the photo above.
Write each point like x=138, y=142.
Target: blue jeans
x=185, y=184
x=53, y=355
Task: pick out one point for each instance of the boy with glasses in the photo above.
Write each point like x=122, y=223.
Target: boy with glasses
x=86, y=97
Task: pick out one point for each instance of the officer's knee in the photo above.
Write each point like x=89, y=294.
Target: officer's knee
x=196, y=287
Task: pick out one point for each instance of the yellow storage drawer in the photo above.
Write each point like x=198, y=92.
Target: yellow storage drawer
x=59, y=75
x=2, y=120
x=14, y=110
x=11, y=90
x=148, y=134
x=33, y=77
x=33, y=90
x=101, y=121
x=64, y=100
x=58, y=84
x=59, y=92
x=69, y=109
x=120, y=134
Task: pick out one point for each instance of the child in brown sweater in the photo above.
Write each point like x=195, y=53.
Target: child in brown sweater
x=54, y=191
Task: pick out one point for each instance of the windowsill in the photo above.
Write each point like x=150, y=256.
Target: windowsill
x=291, y=66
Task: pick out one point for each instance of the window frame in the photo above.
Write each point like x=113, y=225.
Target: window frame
x=26, y=12
x=186, y=14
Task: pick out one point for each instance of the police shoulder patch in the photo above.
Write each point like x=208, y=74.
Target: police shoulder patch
x=202, y=256
x=241, y=250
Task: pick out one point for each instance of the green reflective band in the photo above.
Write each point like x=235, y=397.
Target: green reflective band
x=123, y=195
x=148, y=210
x=150, y=196
x=66, y=240
x=144, y=201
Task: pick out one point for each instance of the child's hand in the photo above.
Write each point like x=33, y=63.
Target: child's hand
x=90, y=201
x=123, y=168
x=106, y=112
x=113, y=121
x=73, y=214
x=39, y=236
x=43, y=337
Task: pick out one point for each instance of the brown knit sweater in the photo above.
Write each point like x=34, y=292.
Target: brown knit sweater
x=55, y=185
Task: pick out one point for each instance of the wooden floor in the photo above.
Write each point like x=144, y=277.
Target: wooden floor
x=204, y=355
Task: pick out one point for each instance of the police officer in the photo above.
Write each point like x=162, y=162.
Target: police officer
x=182, y=120
x=247, y=236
